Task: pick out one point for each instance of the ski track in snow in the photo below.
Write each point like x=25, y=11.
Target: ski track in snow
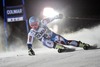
x=50, y=58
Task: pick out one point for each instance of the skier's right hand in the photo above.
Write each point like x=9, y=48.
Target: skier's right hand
x=31, y=52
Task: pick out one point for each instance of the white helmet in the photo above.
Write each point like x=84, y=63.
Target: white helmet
x=33, y=20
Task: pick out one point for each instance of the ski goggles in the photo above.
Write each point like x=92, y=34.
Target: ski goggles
x=34, y=24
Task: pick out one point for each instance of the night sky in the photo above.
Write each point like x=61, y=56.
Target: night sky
x=80, y=8
x=87, y=10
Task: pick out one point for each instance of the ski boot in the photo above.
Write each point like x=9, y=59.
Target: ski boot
x=62, y=48
x=31, y=52
x=87, y=46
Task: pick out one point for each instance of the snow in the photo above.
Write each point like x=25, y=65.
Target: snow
x=51, y=58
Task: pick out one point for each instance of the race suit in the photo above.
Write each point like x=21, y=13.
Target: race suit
x=47, y=37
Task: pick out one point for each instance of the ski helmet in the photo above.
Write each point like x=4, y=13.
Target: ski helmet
x=33, y=20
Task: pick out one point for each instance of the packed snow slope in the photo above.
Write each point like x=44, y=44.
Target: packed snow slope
x=50, y=58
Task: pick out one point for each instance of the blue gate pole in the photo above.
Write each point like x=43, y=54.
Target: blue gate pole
x=5, y=26
x=27, y=27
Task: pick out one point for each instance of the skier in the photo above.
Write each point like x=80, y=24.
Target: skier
x=50, y=39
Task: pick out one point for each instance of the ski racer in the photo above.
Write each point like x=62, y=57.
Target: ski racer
x=50, y=39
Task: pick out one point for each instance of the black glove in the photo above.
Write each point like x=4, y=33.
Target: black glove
x=31, y=52
x=60, y=16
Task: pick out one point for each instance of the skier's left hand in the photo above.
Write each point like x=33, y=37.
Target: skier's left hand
x=60, y=16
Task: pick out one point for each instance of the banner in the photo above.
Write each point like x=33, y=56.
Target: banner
x=14, y=14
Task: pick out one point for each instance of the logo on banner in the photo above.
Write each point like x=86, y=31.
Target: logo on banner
x=14, y=19
x=14, y=11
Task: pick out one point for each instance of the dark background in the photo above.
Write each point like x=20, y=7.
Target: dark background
x=87, y=11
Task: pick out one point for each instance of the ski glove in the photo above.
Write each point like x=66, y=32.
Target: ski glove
x=60, y=16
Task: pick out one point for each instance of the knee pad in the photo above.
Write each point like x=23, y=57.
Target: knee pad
x=48, y=43
x=60, y=39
